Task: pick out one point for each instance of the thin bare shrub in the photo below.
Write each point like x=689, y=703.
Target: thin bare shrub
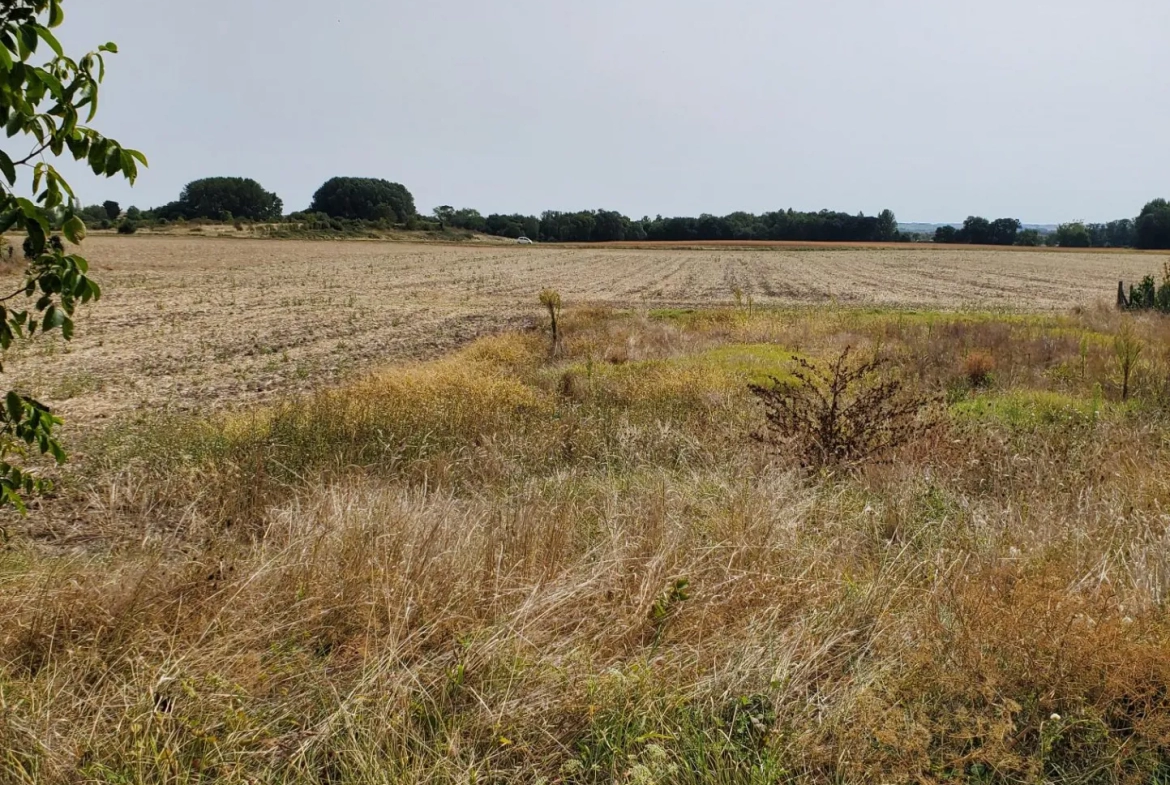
x=843, y=414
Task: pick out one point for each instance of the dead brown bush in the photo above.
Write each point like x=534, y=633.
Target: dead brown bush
x=842, y=414
x=978, y=368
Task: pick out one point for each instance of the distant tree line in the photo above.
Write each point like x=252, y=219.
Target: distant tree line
x=589, y=226
x=1150, y=230
x=349, y=203
x=1008, y=231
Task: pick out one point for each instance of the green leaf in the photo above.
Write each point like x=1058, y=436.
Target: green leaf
x=15, y=406
x=129, y=167
x=36, y=235
x=9, y=220
x=51, y=40
x=37, y=130
x=30, y=210
x=56, y=15
x=110, y=47
x=54, y=317
x=138, y=156
x=15, y=124
x=8, y=168
x=9, y=496
x=74, y=230
x=27, y=41
x=59, y=180
x=69, y=124
x=79, y=146
x=67, y=329
x=113, y=161
x=92, y=100
x=97, y=155
x=50, y=81
x=5, y=59
x=51, y=283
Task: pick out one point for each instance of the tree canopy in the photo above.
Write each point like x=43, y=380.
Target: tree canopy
x=444, y=213
x=977, y=230
x=224, y=198
x=364, y=199
x=946, y=234
x=1152, y=227
x=1115, y=234
x=1073, y=235
x=46, y=107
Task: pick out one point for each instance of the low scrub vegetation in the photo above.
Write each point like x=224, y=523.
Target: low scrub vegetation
x=1149, y=295
x=842, y=414
x=506, y=566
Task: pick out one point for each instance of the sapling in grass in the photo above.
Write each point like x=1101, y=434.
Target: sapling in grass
x=551, y=300
x=1127, y=348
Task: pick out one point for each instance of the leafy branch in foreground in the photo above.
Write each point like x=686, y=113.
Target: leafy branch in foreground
x=843, y=414
x=42, y=107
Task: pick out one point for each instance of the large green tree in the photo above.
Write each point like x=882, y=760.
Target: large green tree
x=887, y=226
x=223, y=198
x=976, y=230
x=445, y=213
x=1152, y=227
x=946, y=234
x=45, y=110
x=1073, y=235
x=365, y=199
x=1004, y=231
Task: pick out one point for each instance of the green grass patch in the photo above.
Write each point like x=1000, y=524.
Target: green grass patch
x=1025, y=408
x=754, y=363
x=720, y=369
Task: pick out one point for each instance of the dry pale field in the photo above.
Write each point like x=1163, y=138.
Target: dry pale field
x=189, y=323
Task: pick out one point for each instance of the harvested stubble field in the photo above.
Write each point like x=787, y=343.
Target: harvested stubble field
x=192, y=322
x=497, y=565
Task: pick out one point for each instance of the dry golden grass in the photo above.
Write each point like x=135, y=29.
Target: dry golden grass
x=500, y=567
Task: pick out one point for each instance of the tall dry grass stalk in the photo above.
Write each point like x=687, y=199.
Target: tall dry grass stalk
x=473, y=571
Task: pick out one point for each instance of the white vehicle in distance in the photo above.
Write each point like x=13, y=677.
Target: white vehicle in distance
x=524, y=241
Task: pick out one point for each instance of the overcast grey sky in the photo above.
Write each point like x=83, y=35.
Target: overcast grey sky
x=1045, y=110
